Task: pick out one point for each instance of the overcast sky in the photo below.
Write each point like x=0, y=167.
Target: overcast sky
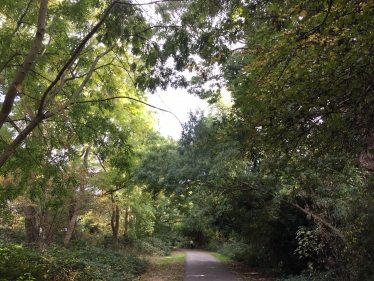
x=180, y=103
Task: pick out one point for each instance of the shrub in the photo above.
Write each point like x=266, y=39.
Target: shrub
x=153, y=246
x=213, y=246
x=56, y=263
x=237, y=251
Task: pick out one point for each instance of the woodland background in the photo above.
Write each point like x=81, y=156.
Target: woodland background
x=281, y=179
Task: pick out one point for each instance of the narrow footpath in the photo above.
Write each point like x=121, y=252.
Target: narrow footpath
x=202, y=266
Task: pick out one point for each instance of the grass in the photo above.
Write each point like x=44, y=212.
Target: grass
x=170, y=268
x=220, y=257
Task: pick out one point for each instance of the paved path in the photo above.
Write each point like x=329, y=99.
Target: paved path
x=202, y=266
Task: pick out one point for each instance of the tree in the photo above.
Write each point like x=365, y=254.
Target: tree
x=76, y=205
x=300, y=77
x=63, y=68
x=78, y=53
x=299, y=71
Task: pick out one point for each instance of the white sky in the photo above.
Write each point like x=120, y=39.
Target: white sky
x=180, y=103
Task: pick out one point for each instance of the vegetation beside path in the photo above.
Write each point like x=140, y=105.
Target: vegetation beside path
x=247, y=273
x=240, y=269
x=173, y=268
x=278, y=173
x=166, y=268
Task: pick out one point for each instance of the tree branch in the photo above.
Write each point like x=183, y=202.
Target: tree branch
x=83, y=84
x=80, y=47
x=121, y=97
x=75, y=55
x=310, y=31
x=20, y=138
x=319, y=219
x=26, y=65
x=19, y=22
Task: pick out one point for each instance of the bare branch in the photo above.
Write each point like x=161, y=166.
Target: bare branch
x=100, y=161
x=122, y=97
x=8, y=61
x=80, y=47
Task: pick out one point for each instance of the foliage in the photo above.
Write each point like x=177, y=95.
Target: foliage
x=56, y=263
x=172, y=266
x=284, y=178
x=236, y=251
x=299, y=132
x=220, y=257
x=153, y=246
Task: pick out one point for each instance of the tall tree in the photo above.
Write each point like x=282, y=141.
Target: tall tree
x=56, y=55
x=300, y=76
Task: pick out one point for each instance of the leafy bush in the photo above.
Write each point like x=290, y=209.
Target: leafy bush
x=237, y=251
x=153, y=246
x=15, y=261
x=56, y=263
x=213, y=246
x=11, y=234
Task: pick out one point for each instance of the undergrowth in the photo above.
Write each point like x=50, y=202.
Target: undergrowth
x=58, y=263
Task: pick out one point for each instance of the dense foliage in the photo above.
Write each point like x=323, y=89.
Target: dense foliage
x=288, y=170
x=282, y=178
x=56, y=263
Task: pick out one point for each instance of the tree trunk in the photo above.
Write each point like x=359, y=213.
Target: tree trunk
x=46, y=227
x=76, y=205
x=114, y=223
x=31, y=227
x=73, y=220
x=126, y=222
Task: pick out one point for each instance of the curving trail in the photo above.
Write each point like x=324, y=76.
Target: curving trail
x=201, y=266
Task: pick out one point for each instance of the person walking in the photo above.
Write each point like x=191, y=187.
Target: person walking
x=191, y=244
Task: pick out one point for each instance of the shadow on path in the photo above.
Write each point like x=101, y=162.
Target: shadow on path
x=202, y=266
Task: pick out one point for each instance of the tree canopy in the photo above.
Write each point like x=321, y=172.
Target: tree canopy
x=282, y=177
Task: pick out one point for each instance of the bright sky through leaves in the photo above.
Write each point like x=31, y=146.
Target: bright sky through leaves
x=179, y=102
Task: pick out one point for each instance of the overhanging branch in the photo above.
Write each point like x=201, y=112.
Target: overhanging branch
x=319, y=219
x=121, y=97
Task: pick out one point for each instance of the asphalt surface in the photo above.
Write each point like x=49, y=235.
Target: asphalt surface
x=202, y=266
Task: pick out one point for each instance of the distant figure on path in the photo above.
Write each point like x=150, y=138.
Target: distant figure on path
x=191, y=244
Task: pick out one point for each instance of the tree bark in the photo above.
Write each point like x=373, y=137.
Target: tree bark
x=46, y=226
x=75, y=209
x=31, y=227
x=126, y=222
x=26, y=65
x=114, y=223
x=71, y=225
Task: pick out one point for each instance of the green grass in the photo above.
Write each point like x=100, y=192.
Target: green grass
x=175, y=258
x=170, y=268
x=220, y=257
